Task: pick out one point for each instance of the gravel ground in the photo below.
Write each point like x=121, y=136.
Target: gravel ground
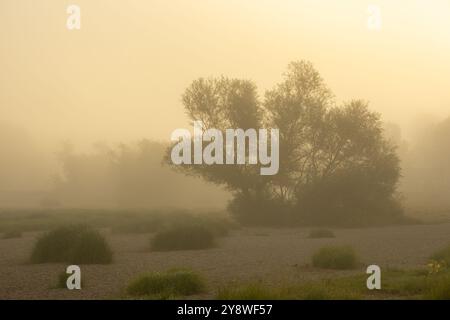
x=248, y=254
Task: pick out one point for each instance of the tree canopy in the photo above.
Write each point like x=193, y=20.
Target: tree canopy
x=335, y=165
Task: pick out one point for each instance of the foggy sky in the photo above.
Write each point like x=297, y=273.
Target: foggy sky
x=120, y=77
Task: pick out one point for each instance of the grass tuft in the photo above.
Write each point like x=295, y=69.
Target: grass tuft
x=166, y=285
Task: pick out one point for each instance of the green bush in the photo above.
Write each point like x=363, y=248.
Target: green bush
x=321, y=233
x=164, y=285
x=335, y=258
x=72, y=244
x=183, y=237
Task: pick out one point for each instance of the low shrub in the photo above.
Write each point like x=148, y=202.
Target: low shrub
x=183, y=237
x=72, y=244
x=335, y=258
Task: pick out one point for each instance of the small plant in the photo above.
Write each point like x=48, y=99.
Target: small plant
x=183, y=237
x=321, y=233
x=11, y=234
x=335, y=258
x=165, y=285
x=72, y=244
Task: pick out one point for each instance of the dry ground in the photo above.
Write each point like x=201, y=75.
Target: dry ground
x=274, y=255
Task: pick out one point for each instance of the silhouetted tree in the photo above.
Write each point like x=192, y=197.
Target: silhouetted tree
x=336, y=167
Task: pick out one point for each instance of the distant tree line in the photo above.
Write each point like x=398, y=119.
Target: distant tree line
x=129, y=176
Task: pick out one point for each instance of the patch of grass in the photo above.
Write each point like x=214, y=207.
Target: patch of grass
x=72, y=244
x=412, y=284
x=395, y=284
x=439, y=289
x=442, y=255
x=252, y=291
x=183, y=237
x=403, y=283
x=329, y=290
x=321, y=233
x=317, y=290
x=334, y=257
x=11, y=234
x=166, y=285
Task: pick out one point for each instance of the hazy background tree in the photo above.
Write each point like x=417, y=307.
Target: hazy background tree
x=426, y=181
x=24, y=167
x=130, y=176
